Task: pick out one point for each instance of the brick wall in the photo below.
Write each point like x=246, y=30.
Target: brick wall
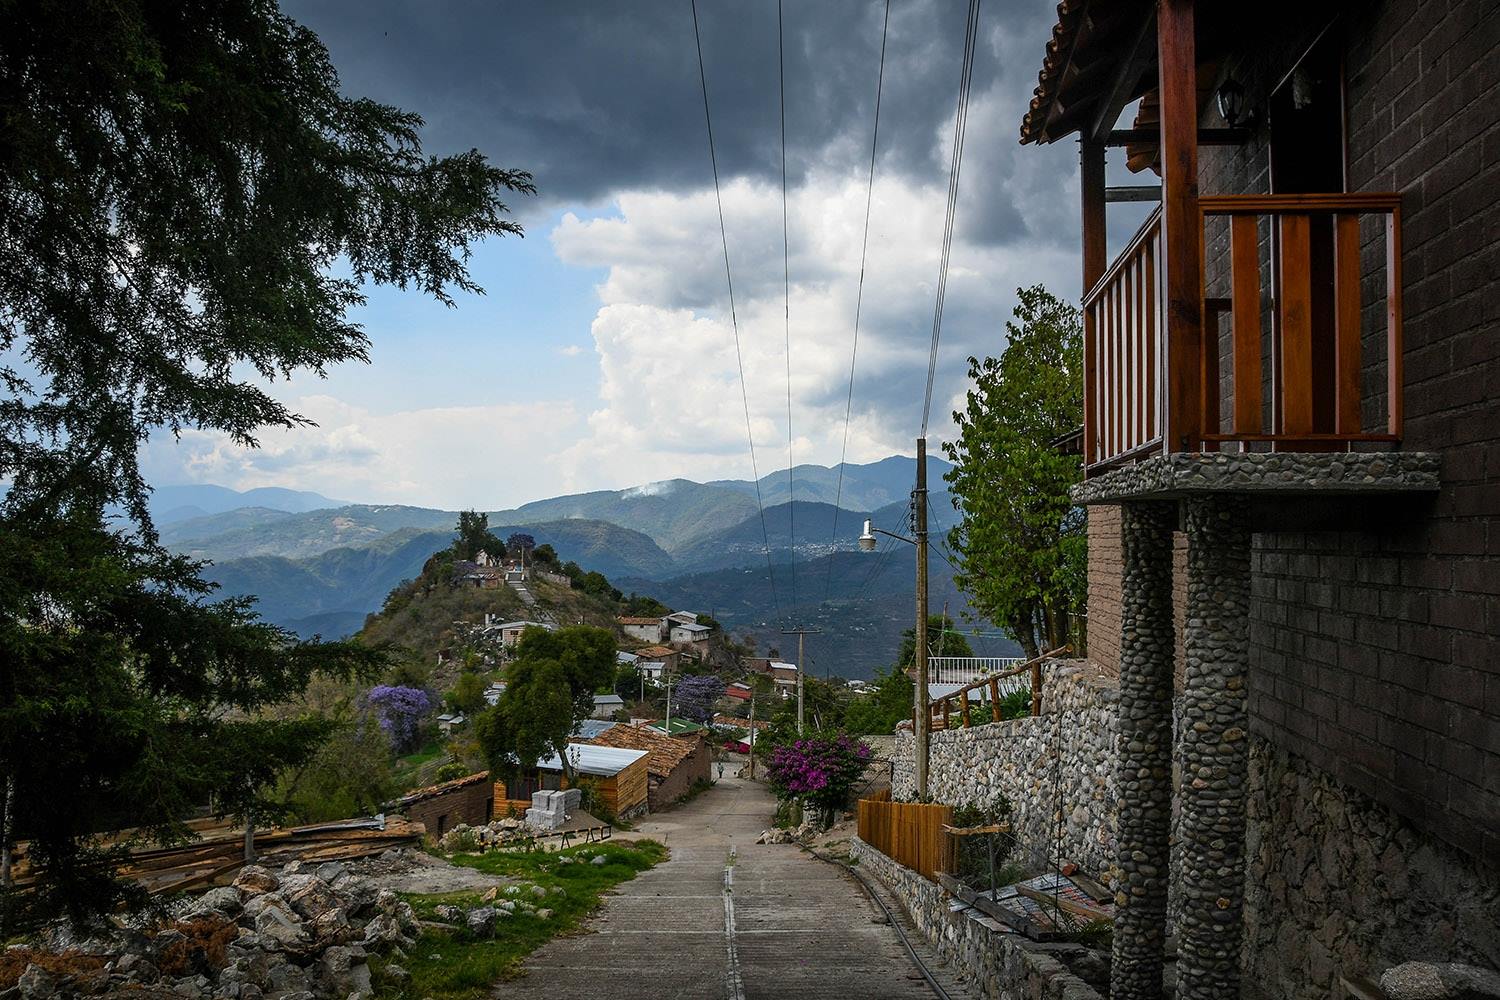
x=1376, y=647
x=1105, y=567
x=694, y=767
x=469, y=804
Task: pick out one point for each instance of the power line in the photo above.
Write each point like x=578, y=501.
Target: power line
x=733, y=319
x=859, y=297
x=786, y=286
x=960, y=126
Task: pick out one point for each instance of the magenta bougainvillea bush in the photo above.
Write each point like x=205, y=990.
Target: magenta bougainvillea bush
x=400, y=710
x=821, y=770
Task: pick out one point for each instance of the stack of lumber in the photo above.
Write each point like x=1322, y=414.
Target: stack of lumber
x=218, y=850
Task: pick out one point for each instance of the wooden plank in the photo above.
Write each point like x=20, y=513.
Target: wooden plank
x=994, y=700
x=975, y=831
x=1064, y=903
x=1153, y=419
x=1244, y=262
x=1181, y=230
x=1345, y=322
x=1296, y=326
x=1036, y=687
x=964, y=707
x=1271, y=204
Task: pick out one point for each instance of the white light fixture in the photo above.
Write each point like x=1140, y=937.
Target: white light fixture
x=867, y=540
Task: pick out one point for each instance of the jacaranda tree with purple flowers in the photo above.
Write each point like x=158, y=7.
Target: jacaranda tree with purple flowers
x=694, y=697
x=820, y=770
x=400, y=710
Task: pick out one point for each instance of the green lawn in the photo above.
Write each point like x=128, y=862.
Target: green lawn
x=447, y=966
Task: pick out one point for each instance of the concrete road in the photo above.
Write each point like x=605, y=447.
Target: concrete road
x=727, y=918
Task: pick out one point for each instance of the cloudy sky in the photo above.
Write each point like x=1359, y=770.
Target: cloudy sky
x=602, y=355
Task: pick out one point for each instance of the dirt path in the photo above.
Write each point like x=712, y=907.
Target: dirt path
x=726, y=917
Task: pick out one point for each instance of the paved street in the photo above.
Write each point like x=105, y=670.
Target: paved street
x=727, y=918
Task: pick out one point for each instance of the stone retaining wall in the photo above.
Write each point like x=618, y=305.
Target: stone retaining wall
x=1057, y=770
x=1341, y=886
x=994, y=963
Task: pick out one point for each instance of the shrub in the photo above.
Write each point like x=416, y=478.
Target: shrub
x=449, y=771
x=820, y=769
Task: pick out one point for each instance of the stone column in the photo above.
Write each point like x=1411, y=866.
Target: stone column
x=1213, y=749
x=1145, y=749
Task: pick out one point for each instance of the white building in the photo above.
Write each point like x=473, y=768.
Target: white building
x=644, y=629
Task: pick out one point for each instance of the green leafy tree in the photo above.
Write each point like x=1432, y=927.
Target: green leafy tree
x=351, y=775
x=177, y=184
x=474, y=536
x=878, y=712
x=942, y=634
x=1020, y=541
x=467, y=694
x=551, y=689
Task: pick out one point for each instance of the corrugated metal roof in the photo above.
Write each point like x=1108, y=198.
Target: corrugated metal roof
x=587, y=758
x=591, y=728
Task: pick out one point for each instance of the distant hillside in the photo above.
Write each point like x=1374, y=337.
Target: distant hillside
x=236, y=535
x=869, y=601
x=354, y=580
x=675, y=513
x=865, y=487
x=170, y=504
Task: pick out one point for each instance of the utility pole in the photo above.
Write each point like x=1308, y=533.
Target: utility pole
x=752, y=734
x=923, y=721
x=801, y=632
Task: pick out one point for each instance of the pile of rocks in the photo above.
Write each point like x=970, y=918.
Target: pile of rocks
x=501, y=831
x=498, y=906
x=302, y=933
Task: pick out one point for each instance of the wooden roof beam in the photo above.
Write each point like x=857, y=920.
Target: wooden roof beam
x=1206, y=136
x=1138, y=55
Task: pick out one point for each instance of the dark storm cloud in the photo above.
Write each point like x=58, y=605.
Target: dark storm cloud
x=602, y=96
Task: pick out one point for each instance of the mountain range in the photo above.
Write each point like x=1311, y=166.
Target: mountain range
x=319, y=566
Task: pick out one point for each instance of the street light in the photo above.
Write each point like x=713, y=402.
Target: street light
x=921, y=715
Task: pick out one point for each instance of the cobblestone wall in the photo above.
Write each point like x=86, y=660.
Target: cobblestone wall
x=1340, y=885
x=1057, y=770
x=995, y=964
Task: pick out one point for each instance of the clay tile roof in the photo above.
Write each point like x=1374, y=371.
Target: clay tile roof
x=433, y=791
x=654, y=652
x=626, y=620
x=1059, y=48
x=665, y=752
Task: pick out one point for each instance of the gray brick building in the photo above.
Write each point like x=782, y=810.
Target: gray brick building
x=1293, y=398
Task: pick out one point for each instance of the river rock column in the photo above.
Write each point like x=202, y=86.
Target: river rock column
x=1144, y=749
x=1213, y=749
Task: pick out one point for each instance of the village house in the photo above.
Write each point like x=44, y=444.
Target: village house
x=1292, y=458
x=441, y=807
x=653, y=630
x=784, y=676
x=673, y=766
x=689, y=634
x=676, y=726
x=739, y=691
x=508, y=634
x=656, y=661
x=606, y=705
x=620, y=773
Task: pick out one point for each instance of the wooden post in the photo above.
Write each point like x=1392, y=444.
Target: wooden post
x=1182, y=235
x=963, y=707
x=994, y=699
x=1036, y=687
x=1091, y=184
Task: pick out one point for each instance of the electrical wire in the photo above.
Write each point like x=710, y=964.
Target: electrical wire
x=786, y=287
x=733, y=319
x=859, y=297
x=960, y=127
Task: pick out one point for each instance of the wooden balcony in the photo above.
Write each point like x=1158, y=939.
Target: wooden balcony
x=1300, y=331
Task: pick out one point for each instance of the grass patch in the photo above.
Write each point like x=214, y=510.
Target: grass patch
x=456, y=966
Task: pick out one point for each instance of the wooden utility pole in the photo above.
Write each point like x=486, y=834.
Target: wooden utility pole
x=923, y=721
x=800, y=632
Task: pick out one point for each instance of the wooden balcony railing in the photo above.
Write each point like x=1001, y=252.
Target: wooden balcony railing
x=996, y=686
x=1123, y=321
x=1312, y=336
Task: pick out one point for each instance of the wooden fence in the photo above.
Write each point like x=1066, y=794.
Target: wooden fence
x=911, y=833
